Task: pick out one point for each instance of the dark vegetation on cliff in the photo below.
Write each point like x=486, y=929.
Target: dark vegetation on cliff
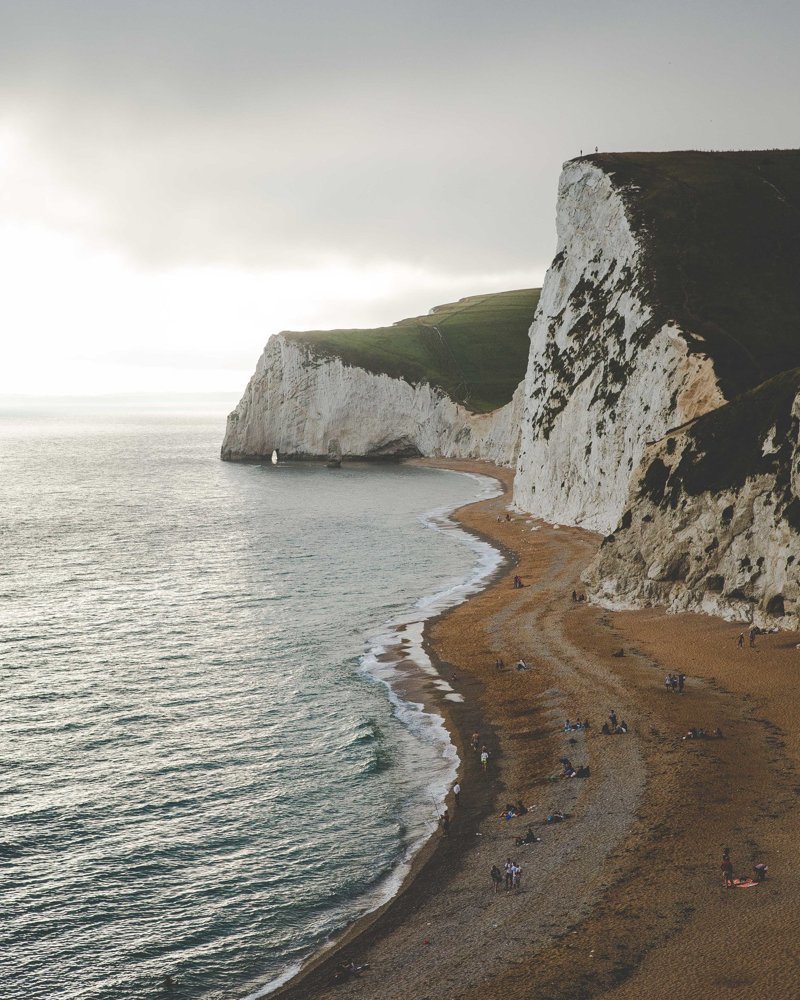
x=726, y=447
x=722, y=238
x=475, y=350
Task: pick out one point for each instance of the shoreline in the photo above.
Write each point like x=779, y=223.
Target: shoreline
x=459, y=720
x=622, y=900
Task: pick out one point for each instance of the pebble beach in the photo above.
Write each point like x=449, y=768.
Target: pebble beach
x=624, y=898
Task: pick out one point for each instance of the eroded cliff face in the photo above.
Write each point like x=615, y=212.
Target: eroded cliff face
x=303, y=404
x=604, y=377
x=713, y=517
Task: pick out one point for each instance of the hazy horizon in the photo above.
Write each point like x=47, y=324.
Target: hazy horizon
x=182, y=180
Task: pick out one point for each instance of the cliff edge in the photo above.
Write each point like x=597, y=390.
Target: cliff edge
x=671, y=292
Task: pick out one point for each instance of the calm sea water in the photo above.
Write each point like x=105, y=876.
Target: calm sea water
x=205, y=769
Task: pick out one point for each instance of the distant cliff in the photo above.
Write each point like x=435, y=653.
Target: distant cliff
x=446, y=384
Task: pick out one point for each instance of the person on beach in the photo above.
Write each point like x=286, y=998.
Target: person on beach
x=497, y=878
x=457, y=792
x=475, y=742
x=574, y=595
x=727, y=868
x=507, y=872
x=613, y=718
x=681, y=682
x=485, y=759
x=529, y=838
x=516, y=876
x=740, y=640
x=753, y=634
x=444, y=819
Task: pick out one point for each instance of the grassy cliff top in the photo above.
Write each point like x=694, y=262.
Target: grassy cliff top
x=722, y=235
x=475, y=350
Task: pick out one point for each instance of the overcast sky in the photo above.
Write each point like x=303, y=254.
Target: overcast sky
x=181, y=178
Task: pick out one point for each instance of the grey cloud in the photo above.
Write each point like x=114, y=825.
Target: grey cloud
x=275, y=133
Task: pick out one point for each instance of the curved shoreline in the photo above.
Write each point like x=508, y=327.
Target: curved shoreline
x=426, y=686
x=624, y=899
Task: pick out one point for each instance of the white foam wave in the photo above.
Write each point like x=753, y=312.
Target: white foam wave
x=401, y=641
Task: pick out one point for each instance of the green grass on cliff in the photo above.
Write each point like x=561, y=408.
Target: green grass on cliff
x=475, y=350
x=722, y=233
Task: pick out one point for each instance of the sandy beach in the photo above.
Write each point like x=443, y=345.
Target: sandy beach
x=624, y=898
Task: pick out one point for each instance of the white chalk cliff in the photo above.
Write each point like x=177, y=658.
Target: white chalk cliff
x=713, y=517
x=602, y=379
x=303, y=404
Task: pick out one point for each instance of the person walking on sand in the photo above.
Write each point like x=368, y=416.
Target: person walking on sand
x=516, y=876
x=753, y=634
x=444, y=819
x=740, y=640
x=681, y=682
x=485, y=759
x=475, y=742
x=508, y=872
x=457, y=792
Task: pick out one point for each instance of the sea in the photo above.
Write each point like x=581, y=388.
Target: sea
x=209, y=762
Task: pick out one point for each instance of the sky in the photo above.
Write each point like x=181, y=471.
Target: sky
x=180, y=179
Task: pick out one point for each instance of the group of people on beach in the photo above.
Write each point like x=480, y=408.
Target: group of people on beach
x=512, y=810
x=744, y=881
x=475, y=743
x=573, y=727
x=499, y=665
x=511, y=875
x=754, y=631
x=614, y=726
x=700, y=734
x=675, y=682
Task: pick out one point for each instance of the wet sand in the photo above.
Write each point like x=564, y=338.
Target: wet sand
x=624, y=899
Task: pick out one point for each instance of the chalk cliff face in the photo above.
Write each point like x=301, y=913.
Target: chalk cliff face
x=605, y=374
x=660, y=405
x=304, y=404
x=713, y=517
